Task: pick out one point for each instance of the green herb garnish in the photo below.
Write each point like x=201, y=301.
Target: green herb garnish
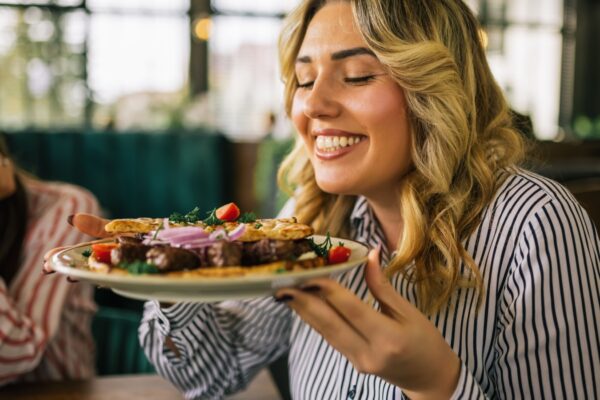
x=86, y=253
x=322, y=250
x=139, y=267
x=212, y=218
x=247, y=217
x=160, y=227
x=189, y=218
x=258, y=225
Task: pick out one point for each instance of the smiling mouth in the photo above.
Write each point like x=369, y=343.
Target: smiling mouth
x=332, y=144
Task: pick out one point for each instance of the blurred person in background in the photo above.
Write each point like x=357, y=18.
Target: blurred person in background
x=45, y=321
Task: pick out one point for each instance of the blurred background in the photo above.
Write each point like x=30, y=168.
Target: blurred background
x=161, y=105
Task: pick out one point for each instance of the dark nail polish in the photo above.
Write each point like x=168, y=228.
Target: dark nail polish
x=284, y=298
x=70, y=219
x=311, y=289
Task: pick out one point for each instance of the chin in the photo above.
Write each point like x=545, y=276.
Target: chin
x=335, y=186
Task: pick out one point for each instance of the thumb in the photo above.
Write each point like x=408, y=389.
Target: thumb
x=89, y=224
x=382, y=290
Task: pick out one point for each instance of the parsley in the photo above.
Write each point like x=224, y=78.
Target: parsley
x=258, y=225
x=139, y=267
x=86, y=253
x=212, y=218
x=247, y=217
x=189, y=218
x=322, y=250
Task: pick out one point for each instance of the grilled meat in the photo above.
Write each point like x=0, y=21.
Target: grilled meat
x=167, y=258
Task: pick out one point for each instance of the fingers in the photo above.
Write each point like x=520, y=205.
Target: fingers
x=89, y=224
x=359, y=315
x=47, y=267
x=392, y=303
x=324, y=319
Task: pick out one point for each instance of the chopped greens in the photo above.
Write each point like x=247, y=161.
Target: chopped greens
x=258, y=225
x=87, y=252
x=139, y=267
x=247, y=217
x=322, y=250
x=189, y=218
x=212, y=218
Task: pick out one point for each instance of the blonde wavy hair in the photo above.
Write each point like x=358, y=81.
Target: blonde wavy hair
x=462, y=132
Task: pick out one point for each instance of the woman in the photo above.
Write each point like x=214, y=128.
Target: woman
x=486, y=278
x=45, y=331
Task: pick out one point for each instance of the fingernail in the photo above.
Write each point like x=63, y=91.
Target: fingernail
x=70, y=219
x=311, y=288
x=284, y=298
x=47, y=272
x=71, y=280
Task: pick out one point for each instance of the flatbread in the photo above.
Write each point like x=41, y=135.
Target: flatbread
x=220, y=272
x=275, y=228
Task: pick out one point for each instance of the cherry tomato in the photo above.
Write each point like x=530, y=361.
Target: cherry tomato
x=101, y=251
x=338, y=254
x=228, y=212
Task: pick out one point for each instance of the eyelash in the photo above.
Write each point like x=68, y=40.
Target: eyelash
x=361, y=80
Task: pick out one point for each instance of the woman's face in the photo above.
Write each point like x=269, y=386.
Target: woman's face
x=350, y=113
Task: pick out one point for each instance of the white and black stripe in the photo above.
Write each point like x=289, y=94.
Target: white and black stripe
x=536, y=335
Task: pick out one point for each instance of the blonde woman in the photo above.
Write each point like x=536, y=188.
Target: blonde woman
x=485, y=281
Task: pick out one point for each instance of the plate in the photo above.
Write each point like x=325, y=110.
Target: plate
x=73, y=263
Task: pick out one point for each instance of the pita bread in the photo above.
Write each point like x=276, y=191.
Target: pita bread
x=220, y=272
x=276, y=228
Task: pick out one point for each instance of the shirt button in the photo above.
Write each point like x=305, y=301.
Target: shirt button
x=352, y=392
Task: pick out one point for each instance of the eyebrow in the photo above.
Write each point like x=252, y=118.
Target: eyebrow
x=339, y=55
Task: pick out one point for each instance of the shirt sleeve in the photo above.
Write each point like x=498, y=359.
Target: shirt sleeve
x=548, y=324
x=30, y=310
x=209, y=350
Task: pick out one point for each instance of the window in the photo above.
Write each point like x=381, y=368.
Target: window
x=126, y=64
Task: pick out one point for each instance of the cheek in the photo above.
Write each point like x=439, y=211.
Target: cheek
x=298, y=117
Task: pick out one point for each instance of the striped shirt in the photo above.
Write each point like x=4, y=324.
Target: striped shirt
x=45, y=331
x=536, y=335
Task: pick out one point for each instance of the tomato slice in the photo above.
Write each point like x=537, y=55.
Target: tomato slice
x=101, y=251
x=338, y=254
x=228, y=212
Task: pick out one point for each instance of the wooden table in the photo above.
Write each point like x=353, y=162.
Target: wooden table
x=126, y=387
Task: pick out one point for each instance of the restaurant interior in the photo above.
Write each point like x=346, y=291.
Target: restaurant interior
x=165, y=105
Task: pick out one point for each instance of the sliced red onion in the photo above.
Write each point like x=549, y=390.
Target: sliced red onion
x=237, y=232
x=181, y=234
x=191, y=237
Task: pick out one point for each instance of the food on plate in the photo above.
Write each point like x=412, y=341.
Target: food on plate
x=225, y=243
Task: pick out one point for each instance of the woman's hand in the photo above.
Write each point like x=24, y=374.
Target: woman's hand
x=398, y=344
x=91, y=225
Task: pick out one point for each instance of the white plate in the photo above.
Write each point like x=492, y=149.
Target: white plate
x=71, y=262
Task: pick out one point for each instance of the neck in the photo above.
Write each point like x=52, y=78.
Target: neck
x=387, y=210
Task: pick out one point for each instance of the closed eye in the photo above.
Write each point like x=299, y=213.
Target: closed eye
x=305, y=85
x=360, y=79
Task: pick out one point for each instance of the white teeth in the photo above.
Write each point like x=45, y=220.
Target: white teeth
x=332, y=143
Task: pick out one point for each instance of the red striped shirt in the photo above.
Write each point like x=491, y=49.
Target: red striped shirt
x=45, y=321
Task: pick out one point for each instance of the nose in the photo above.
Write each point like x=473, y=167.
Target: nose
x=320, y=101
